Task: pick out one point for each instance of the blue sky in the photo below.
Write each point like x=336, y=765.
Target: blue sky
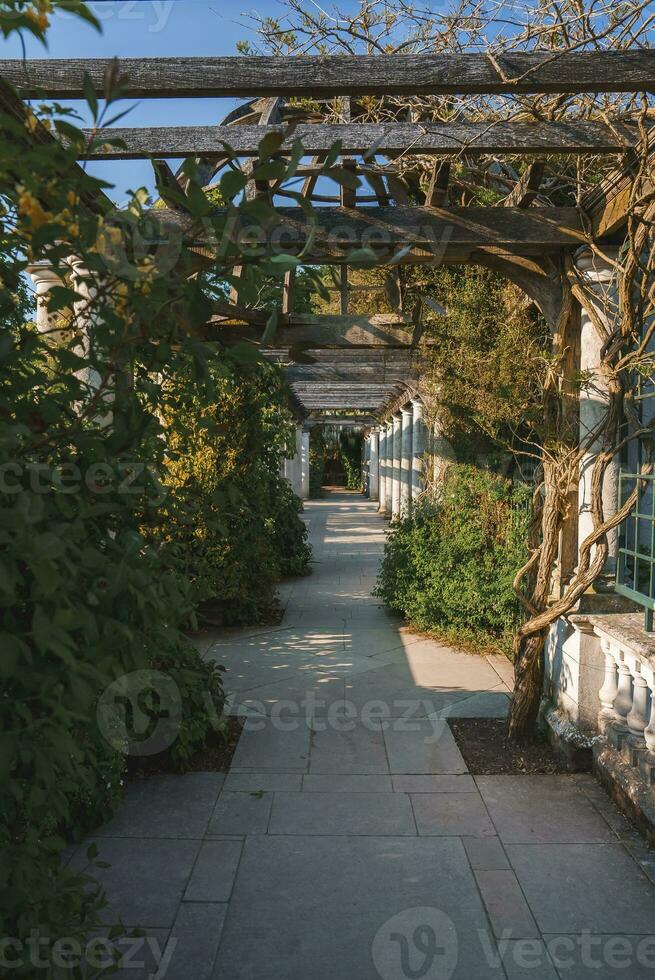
x=150, y=28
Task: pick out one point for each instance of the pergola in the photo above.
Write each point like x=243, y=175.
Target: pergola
x=355, y=362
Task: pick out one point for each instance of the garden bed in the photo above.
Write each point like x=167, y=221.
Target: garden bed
x=486, y=751
x=214, y=756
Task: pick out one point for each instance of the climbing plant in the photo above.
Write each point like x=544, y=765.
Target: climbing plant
x=101, y=566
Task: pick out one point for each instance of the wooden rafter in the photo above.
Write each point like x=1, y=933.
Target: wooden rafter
x=386, y=229
x=437, y=193
x=472, y=139
x=334, y=75
x=527, y=188
x=324, y=331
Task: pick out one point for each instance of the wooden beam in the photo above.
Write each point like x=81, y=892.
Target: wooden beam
x=607, y=204
x=470, y=139
x=95, y=200
x=324, y=331
x=331, y=75
x=527, y=187
x=301, y=373
x=437, y=194
x=386, y=229
x=364, y=421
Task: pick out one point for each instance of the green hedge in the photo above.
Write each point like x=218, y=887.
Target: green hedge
x=449, y=567
x=230, y=523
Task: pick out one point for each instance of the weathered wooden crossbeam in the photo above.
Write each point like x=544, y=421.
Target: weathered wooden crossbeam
x=323, y=331
x=384, y=230
x=331, y=75
x=355, y=401
x=347, y=420
x=345, y=375
x=387, y=138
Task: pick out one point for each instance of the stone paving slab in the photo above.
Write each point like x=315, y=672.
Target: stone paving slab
x=256, y=782
x=197, y=933
x=486, y=854
x=263, y=746
x=424, y=746
x=316, y=904
x=451, y=815
x=328, y=783
x=324, y=814
x=608, y=957
x=506, y=905
x=213, y=873
x=145, y=879
x=166, y=806
x=488, y=704
x=434, y=784
x=360, y=751
x=542, y=809
x=241, y=813
x=575, y=887
x=527, y=959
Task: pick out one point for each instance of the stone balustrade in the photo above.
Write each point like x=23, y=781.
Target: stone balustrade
x=627, y=703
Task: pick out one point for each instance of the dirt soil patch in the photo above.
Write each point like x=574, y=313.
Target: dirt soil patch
x=487, y=752
x=214, y=756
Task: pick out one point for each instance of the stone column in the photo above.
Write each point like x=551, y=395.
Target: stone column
x=382, y=471
x=85, y=316
x=297, y=463
x=388, y=468
x=406, y=460
x=304, y=465
x=44, y=278
x=600, y=277
x=418, y=448
x=396, y=465
x=373, y=464
x=366, y=454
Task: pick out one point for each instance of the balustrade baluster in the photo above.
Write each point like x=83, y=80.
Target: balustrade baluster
x=609, y=690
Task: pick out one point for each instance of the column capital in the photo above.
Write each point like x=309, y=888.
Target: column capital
x=43, y=276
x=596, y=268
x=406, y=410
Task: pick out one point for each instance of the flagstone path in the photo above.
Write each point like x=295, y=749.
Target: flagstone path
x=348, y=841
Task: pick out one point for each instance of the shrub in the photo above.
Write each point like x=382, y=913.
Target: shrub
x=89, y=591
x=229, y=523
x=449, y=567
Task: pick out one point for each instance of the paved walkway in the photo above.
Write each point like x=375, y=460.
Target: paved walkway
x=348, y=841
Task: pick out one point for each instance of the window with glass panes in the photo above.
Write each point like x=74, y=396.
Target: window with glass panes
x=636, y=559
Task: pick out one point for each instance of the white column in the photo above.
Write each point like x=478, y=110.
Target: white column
x=85, y=316
x=418, y=448
x=599, y=276
x=406, y=460
x=304, y=464
x=396, y=465
x=44, y=278
x=366, y=454
x=297, y=463
x=388, y=468
x=382, y=479
x=373, y=465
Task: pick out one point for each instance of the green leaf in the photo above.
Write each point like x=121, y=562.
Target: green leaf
x=270, y=144
x=89, y=91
